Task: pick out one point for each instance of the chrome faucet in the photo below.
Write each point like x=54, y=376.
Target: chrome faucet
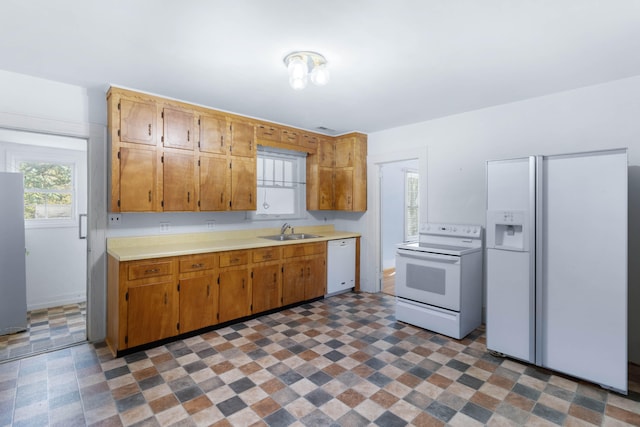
x=284, y=228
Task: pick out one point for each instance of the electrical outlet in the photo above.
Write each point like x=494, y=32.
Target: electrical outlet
x=164, y=227
x=211, y=224
x=115, y=219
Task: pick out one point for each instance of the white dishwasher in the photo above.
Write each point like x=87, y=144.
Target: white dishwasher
x=341, y=265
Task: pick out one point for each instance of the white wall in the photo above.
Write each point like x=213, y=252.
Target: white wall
x=592, y=118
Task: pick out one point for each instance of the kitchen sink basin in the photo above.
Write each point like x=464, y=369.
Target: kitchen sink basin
x=292, y=236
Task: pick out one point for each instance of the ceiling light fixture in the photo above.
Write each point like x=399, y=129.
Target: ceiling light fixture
x=305, y=65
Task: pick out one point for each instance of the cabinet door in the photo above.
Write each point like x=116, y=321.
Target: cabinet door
x=179, y=187
x=265, y=285
x=243, y=184
x=152, y=313
x=137, y=122
x=178, y=129
x=214, y=184
x=138, y=180
x=242, y=139
x=198, y=303
x=213, y=135
x=344, y=189
x=325, y=188
x=293, y=280
x=316, y=280
x=235, y=295
x=325, y=153
x=344, y=152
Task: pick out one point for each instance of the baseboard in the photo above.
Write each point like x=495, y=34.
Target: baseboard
x=57, y=301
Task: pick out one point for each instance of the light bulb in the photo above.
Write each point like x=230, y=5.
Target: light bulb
x=298, y=83
x=320, y=75
x=297, y=68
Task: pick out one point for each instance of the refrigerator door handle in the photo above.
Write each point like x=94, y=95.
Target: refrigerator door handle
x=538, y=225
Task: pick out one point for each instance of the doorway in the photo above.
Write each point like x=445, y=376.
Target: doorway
x=399, y=213
x=56, y=182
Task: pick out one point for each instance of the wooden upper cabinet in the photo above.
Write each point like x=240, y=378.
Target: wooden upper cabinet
x=178, y=128
x=179, y=182
x=345, y=152
x=271, y=133
x=138, y=181
x=326, y=153
x=137, y=121
x=242, y=139
x=213, y=134
x=290, y=136
x=215, y=183
x=243, y=184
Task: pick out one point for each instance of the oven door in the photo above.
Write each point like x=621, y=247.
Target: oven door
x=428, y=278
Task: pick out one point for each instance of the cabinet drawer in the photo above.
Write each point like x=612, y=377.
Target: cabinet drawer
x=309, y=141
x=266, y=254
x=197, y=263
x=290, y=136
x=141, y=270
x=228, y=259
x=268, y=132
x=304, y=249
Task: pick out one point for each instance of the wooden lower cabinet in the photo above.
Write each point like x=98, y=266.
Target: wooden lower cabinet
x=235, y=294
x=152, y=312
x=154, y=299
x=304, y=272
x=266, y=282
x=198, y=292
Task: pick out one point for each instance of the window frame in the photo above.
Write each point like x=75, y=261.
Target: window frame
x=411, y=174
x=15, y=158
x=298, y=180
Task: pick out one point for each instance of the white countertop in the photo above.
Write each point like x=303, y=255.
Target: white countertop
x=146, y=247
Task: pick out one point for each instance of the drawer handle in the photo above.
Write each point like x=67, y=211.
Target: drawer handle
x=267, y=256
x=200, y=265
x=234, y=260
x=151, y=271
x=149, y=129
x=188, y=135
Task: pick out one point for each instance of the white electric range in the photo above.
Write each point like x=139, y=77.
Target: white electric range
x=439, y=279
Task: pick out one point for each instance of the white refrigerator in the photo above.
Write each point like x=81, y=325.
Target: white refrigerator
x=556, y=274
x=13, y=281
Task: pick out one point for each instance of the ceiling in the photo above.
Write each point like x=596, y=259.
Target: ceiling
x=392, y=62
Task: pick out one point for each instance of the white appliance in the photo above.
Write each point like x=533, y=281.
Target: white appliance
x=557, y=263
x=341, y=265
x=13, y=280
x=439, y=279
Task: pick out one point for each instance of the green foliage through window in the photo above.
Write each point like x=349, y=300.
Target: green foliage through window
x=48, y=190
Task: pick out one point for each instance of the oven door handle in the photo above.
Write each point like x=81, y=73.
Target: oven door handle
x=426, y=256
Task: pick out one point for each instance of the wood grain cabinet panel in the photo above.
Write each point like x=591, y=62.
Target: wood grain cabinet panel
x=138, y=176
x=235, y=294
x=213, y=135
x=243, y=184
x=243, y=139
x=215, y=183
x=198, y=302
x=137, y=121
x=179, y=186
x=152, y=312
x=266, y=287
x=293, y=281
x=178, y=128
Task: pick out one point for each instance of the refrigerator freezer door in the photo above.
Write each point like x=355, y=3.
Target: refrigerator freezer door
x=582, y=266
x=510, y=257
x=510, y=304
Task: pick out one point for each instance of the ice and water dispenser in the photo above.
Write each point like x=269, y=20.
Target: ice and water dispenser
x=507, y=230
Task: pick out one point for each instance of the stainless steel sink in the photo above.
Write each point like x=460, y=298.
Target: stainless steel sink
x=292, y=236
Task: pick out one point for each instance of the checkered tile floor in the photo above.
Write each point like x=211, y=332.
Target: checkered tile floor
x=342, y=361
x=47, y=328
